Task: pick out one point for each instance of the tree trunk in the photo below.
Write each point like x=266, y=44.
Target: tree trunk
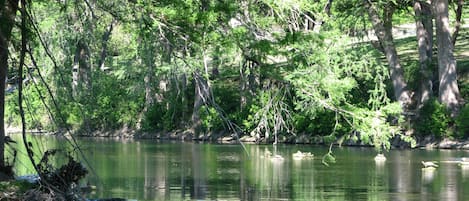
x=448, y=93
x=148, y=82
x=201, y=97
x=384, y=33
x=7, y=18
x=104, y=42
x=458, y=22
x=149, y=61
x=81, y=71
x=184, y=98
x=81, y=78
x=198, y=102
x=250, y=80
x=243, y=85
x=149, y=78
x=85, y=69
x=75, y=74
x=424, y=25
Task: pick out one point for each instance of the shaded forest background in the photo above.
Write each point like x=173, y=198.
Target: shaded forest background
x=288, y=71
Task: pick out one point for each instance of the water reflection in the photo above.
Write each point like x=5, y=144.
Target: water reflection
x=449, y=189
x=149, y=170
x=465, y=171
x=428, y=174
x=378, y=181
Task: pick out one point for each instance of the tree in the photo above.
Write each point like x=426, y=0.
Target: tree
x=148, y=38
x=448, y=93
x=424, y=25
x=81, y=71
x=383, y=30
x=8, y=11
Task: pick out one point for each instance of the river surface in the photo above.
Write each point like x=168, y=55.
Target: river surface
x=150, y=170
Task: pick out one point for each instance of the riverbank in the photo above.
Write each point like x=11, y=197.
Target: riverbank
x=428, y=142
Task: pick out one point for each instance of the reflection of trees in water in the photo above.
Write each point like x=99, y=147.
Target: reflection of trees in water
x=465, y=172
x=302, y=174
x=402, y=180
x=271, y=178
x=198, y=173
x=449, y=185
x=156, y=170
x=428, y=175
x=149, y=171
x=379, y=182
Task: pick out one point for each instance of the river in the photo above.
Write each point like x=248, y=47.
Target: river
x=151, y=170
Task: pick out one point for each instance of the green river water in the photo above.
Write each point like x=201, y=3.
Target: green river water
x=151, y=170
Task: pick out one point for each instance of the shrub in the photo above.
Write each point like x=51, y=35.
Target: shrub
x=211, y=121
x=434, y=119
x=154, y=118
x=462, y=122
x=321, y=123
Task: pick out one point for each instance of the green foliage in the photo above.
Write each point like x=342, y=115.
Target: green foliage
x=105, y=109
x=302, y=81
x=462, y=122
x=210, y=119
x=226, y=95
x=36, y=115
x=12, y=113
x=434, y=118
x=317, y=124
x=323, y=81
x=329, y=157
x=154, y=118
x=272, y=117
x=73, y=114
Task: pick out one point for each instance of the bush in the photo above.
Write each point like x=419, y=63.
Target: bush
x=211, y=121
x=321, y=123
x=434, y=120
x=462, y=122
x=154, y=118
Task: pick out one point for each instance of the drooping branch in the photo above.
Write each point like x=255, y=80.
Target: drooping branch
x=90, y=6
x=41, y=96
x=45, y=46
x=20, y=84
x=274, y=117
x=208, y=100
x=27, y=145
x=70, y=139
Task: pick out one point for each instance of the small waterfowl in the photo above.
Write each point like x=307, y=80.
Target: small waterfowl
x=302, y=155
x=464, y=163
x=380, y=158
x=267, y=154
x=429, y=164
x=277, y=158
